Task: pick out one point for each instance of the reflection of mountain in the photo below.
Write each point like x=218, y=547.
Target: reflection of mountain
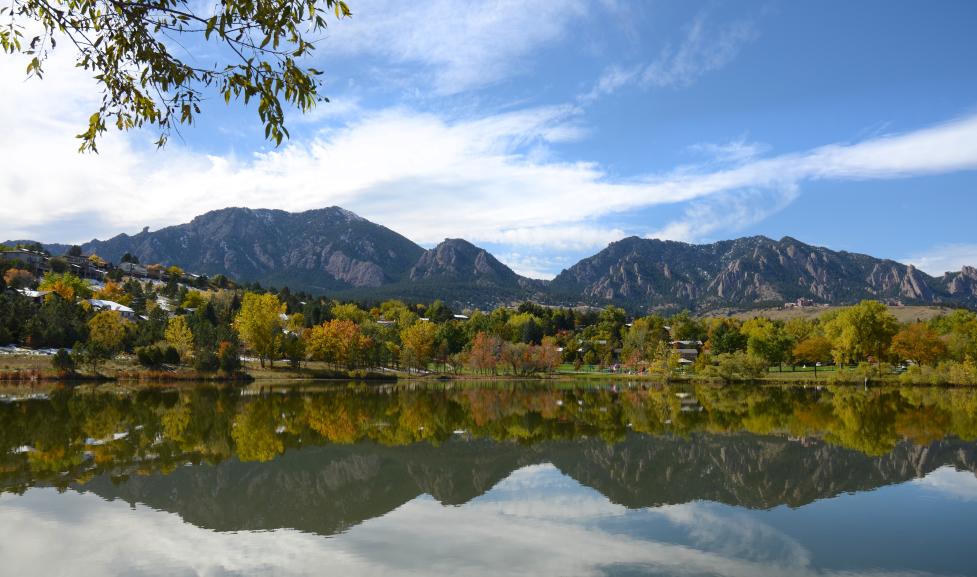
x=327, y=489
x=322, y=489
x=745, y=470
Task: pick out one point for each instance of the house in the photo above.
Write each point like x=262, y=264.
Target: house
x=36, y=296
x=34, y=260
x=104, y=305
x=133, y=269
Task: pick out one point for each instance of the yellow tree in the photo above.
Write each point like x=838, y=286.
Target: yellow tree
x=339, y=342
x=260, y=324
x=179, y=336
x=113, y=292
x=107, y=329
x=418, y=344
x=918, y=343
x=66, y=285
x=106, y=334
x=861, y=331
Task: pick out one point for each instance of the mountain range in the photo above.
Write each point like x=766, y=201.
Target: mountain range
x=336, y=252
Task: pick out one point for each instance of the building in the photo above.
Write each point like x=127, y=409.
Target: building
x=103, y=305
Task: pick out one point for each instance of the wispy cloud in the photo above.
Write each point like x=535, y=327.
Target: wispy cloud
x=704, y=48
x=460, y=45
x=944, y=258
x=728, y=213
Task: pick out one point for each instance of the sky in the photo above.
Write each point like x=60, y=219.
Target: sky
x=542, y=131
x=537, y=521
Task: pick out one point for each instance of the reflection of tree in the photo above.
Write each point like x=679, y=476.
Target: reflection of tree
x=865, y=421
x=155, y=431
x=255, y=434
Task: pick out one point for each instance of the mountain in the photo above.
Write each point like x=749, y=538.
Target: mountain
x=334, y=251
x=749, y=272
x=315, y=250
x=460, y=273
x=457, y=260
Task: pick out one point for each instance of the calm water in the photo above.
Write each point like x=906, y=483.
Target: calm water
x=508, y=480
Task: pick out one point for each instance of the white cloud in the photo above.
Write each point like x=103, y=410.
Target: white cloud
x=733, y=151
x=703, y=49
x=492, y=178
x=463, y=45
x=944, y=258
x=729, y=213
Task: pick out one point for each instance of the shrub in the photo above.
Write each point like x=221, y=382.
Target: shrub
x=171, y=356
x=63, y=362
x=150, y=356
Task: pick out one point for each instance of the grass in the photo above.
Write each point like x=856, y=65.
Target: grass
x=904, y=314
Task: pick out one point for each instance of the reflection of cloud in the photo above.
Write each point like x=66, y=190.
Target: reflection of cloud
x=736, y=534
x=952, y=483
x=500, y=533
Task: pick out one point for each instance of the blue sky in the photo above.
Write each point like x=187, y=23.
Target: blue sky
x=543, y=131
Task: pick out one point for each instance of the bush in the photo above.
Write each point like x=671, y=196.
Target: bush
x=228, y=357
x=155, y=356
x=63, y=362
x=171, y=356
x=150, y=356
x=205, y=360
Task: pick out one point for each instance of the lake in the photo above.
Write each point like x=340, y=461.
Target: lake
x=500, y=479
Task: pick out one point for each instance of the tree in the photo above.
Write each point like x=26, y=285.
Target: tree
x=260, y=323
x=861, y=331
x=58, y=323
x=74, y=250
x=106, y=333
x=725, y=337
x=131, y=48
x=918, y=343
x=179, y=336
x=113, y=292
x=484, y=352
x=16, y=278
x=766, y=339
x=418, y=344
x=107, y=329
x=63, y=363
x=814, y=349
x=66, y=285
x=548, y=355
x=339, y=342
x=348, y=311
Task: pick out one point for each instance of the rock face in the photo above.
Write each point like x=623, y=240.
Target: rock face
x=323, y=249
x=458, y=260
x=748, y=272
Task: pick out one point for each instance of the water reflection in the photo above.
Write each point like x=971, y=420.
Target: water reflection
x=505, y=479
